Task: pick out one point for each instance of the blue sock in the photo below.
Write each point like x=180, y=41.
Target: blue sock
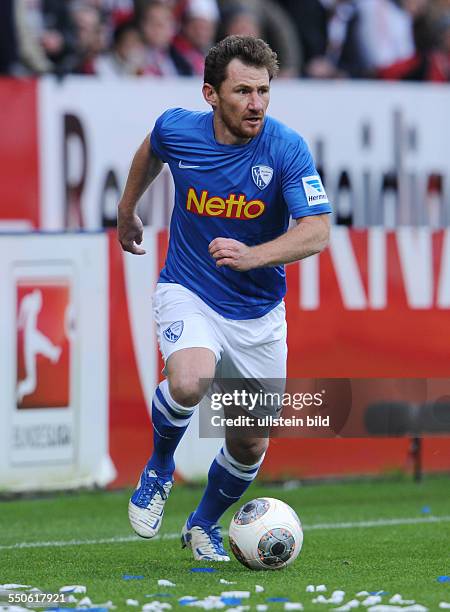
x=170, y=421
x=227, y=482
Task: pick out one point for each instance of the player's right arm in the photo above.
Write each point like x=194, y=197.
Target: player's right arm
x=145, y=167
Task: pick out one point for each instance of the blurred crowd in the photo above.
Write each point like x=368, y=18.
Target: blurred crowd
x=387, y=39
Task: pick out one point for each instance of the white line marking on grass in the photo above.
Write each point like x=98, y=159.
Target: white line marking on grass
x=62, y=543
x=174, y=536
x=379, y=523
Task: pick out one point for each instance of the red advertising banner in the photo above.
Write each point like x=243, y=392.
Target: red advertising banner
x=374, y=304
x=19, y=170
x=130, y=429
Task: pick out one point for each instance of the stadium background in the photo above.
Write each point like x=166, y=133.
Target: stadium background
x=375, y=304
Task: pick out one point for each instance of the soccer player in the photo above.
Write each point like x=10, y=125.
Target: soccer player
x=239, y=176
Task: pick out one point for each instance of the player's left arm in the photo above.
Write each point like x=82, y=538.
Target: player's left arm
x=308, y=237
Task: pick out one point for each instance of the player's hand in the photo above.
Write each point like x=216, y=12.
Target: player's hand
x=232, y=253
x=130, y=231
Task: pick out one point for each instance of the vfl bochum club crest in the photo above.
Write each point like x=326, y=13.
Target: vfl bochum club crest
x=262, y=175
x=174, y=331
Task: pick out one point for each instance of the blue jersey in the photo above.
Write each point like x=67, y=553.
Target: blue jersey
x=247, y=192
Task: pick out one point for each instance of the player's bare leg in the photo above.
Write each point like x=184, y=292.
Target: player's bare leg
x=248, y=450
x=188, y=372
x=173, y=404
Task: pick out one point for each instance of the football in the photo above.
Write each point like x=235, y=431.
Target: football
x=265, y=533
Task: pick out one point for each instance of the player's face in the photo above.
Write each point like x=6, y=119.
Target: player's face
x=240, y=104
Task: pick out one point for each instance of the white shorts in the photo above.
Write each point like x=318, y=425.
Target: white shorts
x=253, y=348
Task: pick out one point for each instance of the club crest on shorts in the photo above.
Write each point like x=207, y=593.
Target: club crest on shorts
x=262, y=175
x=174, y=331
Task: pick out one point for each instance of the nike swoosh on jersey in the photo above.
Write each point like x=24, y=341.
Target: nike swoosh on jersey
x=185, y=166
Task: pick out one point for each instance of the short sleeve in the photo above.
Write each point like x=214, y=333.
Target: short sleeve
x=302, y=186
x=157, y=138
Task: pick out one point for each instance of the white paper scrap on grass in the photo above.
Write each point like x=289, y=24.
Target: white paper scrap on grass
x=259, y=588
x=223, y=581
x=211, y=602
x=444, y=605
x=310, y=588
x=86, y=601
x=156, y=606
x=8, y=587
x=362, y=594
x=336, y=600
x=166, y=583
x=132, y=602
x=388, y=608
x=353, y=603
x=337, y=597
x=236, y=594
x=187, y=598
x=398, y=599
x=75, y=588
x=262, y=607
x=384, y=608
x=350, y=605
x=320, y=588
x=372, y=600
x=292, y=605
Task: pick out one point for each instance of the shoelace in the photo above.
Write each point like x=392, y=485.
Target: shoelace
x=149, y=488
x=216, y=539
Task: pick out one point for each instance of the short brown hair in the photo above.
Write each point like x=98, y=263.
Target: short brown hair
x=251, y=51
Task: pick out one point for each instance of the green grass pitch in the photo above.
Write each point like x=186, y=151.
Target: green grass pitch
x=400, y=557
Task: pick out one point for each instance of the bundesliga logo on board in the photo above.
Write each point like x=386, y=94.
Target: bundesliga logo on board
x=43, y=344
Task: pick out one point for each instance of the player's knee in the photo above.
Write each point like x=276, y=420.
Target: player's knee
x=187, y=390
x=247, y=450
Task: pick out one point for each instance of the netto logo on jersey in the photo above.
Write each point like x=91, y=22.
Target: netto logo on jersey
x=233, y=207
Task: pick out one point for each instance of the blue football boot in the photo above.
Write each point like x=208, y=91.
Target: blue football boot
x=206, y=544
x=146, y=507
